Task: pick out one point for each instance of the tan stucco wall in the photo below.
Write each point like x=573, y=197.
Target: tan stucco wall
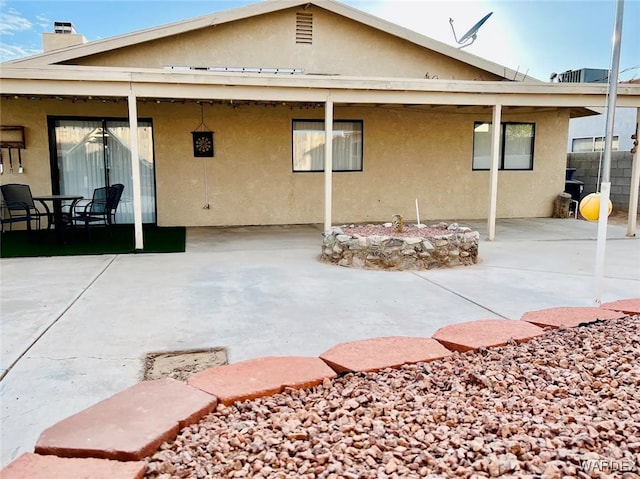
x=407, y=155
x=340, y=46
x=55, y=41
x=32, y=114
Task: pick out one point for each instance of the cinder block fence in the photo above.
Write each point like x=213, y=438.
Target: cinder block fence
x=587, y=167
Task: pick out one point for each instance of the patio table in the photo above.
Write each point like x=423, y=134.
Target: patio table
x=58, y=217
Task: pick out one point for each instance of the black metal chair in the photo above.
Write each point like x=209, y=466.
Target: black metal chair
x=101, y=209
x=20, y=206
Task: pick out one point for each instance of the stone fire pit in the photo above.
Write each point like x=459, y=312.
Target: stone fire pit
x=415, y=248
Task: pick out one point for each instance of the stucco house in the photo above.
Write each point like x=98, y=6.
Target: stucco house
x=232, y=110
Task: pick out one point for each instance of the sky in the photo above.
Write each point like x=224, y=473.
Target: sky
x=534, y=37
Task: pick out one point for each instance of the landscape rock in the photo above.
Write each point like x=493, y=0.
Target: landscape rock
x=526, y=410
x=378, y=247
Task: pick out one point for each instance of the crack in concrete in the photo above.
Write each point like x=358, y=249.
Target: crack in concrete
x=56, y=319
x=459, y=295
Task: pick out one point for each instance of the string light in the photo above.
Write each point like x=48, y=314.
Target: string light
x=235, y=104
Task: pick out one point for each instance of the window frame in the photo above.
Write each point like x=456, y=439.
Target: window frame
x=53, y=123
x=503, y=139
x=595, y=140
x=322, y=122
x=578, y=140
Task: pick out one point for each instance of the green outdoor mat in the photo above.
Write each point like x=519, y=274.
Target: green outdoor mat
x=16, y=244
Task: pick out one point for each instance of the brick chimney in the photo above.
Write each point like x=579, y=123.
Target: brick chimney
x=64, y=35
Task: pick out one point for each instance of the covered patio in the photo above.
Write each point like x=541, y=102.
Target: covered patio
x=137, y=87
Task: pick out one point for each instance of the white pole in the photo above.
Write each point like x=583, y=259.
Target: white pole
x=135, y=171
x=635, y=185
x=601, y=243
x=417, y=212
x=606, y=162
x=493, y=175
x=328, y=163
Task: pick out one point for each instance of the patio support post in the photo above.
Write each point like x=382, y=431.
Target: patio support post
x=328, y=162
x=493, y=175
x=635, y=185
x=135, y=171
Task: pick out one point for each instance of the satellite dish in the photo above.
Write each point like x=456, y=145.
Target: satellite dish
x=469, y=37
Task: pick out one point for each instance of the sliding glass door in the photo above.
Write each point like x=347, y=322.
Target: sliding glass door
x=92, y=153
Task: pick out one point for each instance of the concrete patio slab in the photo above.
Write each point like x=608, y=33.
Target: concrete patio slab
x=261, y=292
x=28, y=308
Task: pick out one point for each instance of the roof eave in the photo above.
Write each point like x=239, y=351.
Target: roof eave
x=112, y=81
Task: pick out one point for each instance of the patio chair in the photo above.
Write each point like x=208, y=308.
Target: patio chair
x=19, y=204
x=101, y=209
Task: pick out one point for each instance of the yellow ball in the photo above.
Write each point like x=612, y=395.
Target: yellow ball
x=590, y=207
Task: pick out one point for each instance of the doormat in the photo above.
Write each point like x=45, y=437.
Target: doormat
x=182, y=365
x=119, y=239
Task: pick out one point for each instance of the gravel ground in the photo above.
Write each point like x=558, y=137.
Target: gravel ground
x=563, y=405
x=409, y=231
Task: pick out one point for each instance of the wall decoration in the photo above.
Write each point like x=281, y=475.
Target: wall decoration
x=202, y=143
x=12, y=137
x=202, y=139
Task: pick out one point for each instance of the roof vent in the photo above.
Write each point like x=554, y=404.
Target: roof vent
x=304, y=28
x=64, y=27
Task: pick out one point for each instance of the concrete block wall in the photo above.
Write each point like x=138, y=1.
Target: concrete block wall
x=587, y=168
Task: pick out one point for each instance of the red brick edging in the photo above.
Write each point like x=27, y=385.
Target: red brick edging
x=36, y=466
x=485, y=333
x=110, y=438
x=569, y=317
x=629, y=306
x=380, y=353
x=130, y=425
x=261, y=377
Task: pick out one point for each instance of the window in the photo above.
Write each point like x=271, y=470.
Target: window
x=308, y=145
x=516, y=146
x=580, y=145
x=89, y=153
x=593, y=143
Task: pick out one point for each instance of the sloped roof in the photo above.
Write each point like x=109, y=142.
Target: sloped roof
x=261, y=8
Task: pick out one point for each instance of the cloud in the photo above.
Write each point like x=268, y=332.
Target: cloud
x=18, y=33
x=12, y=21
x=11, y=52
x=43, y=22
